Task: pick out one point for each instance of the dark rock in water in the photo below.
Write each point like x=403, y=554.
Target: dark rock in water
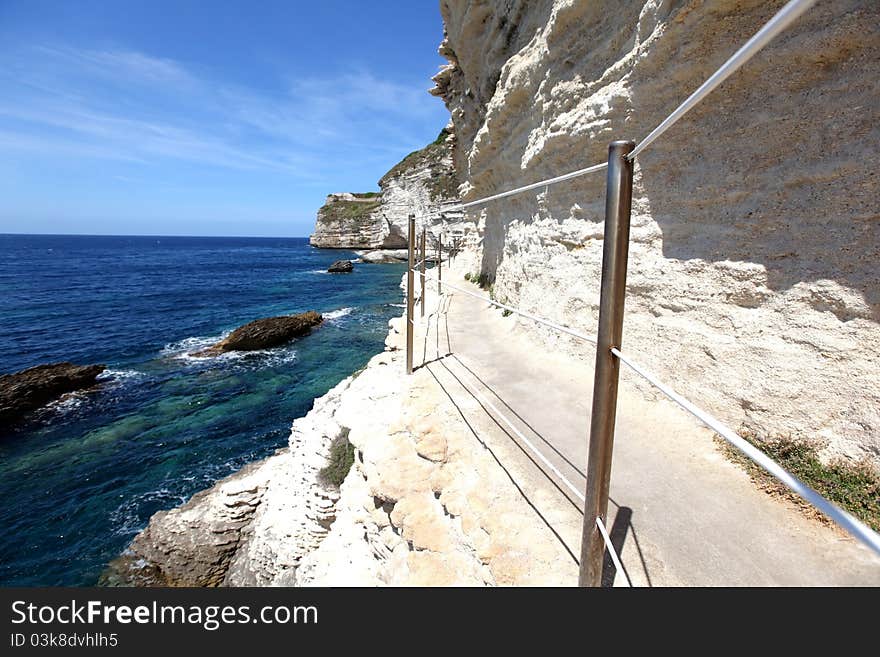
x=265, y=333
x=341, y=267
x=29, y=389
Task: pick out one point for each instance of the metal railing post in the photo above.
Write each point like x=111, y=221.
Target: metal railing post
x=440, y=265
x=422, y=268
x=618, y=204
x=411, y=245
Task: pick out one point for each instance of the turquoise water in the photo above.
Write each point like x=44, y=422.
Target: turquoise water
x=82, y=476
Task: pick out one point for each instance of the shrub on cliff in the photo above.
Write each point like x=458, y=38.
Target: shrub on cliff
x=341, y=460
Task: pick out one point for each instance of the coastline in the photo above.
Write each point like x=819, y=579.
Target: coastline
x=250, y=528
x=439, y=494
x=423, y=504
x=162, y=425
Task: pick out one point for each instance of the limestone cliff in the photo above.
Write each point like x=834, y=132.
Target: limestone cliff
x=422, y=181
x=754, y=284
x=423, y=503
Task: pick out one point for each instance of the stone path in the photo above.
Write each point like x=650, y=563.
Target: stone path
x=681, y=513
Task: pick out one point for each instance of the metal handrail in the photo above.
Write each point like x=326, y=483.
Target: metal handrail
x=523, y=313
x=608, y=355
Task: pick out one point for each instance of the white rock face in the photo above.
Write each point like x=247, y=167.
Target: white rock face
x=754, y=284
x=381, y=256
x=346, y=221
x=419, y=184
x=423, y=504
x=251, y=528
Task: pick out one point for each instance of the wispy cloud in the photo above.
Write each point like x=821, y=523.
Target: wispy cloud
x=131, y=66
x=134, y=107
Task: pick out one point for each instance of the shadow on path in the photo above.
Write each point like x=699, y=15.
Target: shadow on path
x=622, y=525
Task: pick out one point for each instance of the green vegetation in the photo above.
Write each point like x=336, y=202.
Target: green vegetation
x=349, y=210
x=341, y=460
x=444, y=133
x=443, y=182
x=504, y=311
x=365, y=194
x=852, y=486
x=482, y=280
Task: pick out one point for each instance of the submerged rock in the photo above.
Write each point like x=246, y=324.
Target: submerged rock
x=265, y=333
x=27, y=390
x=341, y=267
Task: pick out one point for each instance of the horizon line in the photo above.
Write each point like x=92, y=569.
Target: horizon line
x=268, y=237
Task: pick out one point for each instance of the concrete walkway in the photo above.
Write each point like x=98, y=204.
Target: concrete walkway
x=681, y=513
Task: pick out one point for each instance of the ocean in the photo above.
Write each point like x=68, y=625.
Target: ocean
x=82, y=476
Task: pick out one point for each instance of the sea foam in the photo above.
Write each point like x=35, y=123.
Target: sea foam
x=336, y=314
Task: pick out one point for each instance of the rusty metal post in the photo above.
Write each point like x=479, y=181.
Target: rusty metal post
x=440, y=265
x=410, y=302
x=618, y=205
x=424, y=253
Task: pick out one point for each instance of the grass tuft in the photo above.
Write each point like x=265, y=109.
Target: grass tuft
x=341, y=460
x=854, y=487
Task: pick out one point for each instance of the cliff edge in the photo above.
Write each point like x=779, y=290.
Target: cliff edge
x=422, y=181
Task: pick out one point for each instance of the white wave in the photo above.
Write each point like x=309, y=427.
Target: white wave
x=336, y=314
x=276, y=357
x=318, y=271
x=126, y=516
x=68, y=401
x=183, y=348
x=119, y=375
x=260, y=357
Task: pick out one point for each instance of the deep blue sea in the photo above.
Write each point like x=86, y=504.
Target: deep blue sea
x=82, y=476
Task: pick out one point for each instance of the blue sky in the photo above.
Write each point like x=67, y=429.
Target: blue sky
x=204, y=118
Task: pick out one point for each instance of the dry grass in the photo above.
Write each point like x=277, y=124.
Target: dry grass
x=854, y=487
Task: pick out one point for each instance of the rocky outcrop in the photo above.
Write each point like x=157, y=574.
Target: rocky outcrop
x=421, y=182
x=265, y=333
x=382, y=256
x=341, y=267
x=753, y=283
x=424, y=503
x=349, y=221
x=194, y=544
x=27, y=390
x=250, y=529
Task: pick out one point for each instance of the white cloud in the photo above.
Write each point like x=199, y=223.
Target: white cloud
x=131, y=106
x=134, y=67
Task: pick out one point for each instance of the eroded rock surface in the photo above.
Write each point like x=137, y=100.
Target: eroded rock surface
x=753, y=283
x=265, y=333
x=381, y=256
x=423, y=504
x=419, y=183
x=28, y=390
x=341, y=267
x=250, y=529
